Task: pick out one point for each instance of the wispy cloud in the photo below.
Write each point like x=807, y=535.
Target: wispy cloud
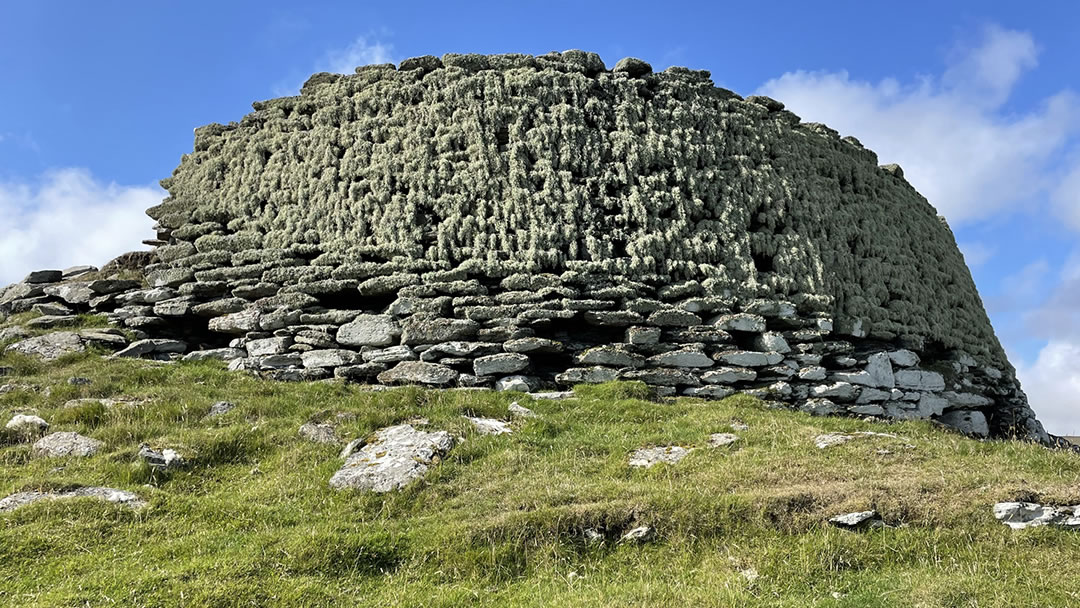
x=362, y=51
x=68, y=217
x=951, y=133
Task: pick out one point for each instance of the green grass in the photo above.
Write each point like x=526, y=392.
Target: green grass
x=501, y=521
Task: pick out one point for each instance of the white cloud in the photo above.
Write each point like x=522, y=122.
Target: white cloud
x=364, y=50
x=1052, y=381
x=66, y=218
x=976, y=254
x=1067, y=197
x=1052, y=384
x=956, y=142
x=361, y=52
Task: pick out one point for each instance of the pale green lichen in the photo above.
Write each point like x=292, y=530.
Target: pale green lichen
x=518, y=164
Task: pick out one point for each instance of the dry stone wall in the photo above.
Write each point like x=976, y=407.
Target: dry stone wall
x=522, y=223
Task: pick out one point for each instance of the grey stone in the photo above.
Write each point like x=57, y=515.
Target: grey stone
x=649, y=457
x=744, y=322
x=966, y=400
x=708, y=392
x=820, y=406
x=66, y=444
x=398, y=456
x=718, y=440
x=729, y=375
x=49, y=321
x=661, y=376
x=586, y=375
x=329, y=357
x=391, y=354
x=161, y=459
x=904, y=358
x=275, y=362
x=771, y=341
x=610, y=355
x=52, y=309
x=857, y=521
x=812, y=373
x=681, y=358
x=26, y=424
x=461, y=349
x=319, y=433
x=268, y=346
x=423, y=329
x=533, y=345
x=50, y=346
x=236, y=323
x=77, y=271
x=43, y=276
x=498, y=364
x=643, y=335
x=418, y=372
x=119, y=497
x=516, y=410
x=967, y=422
x=13, y=333
x=110, y=286
x=1020, y=515
x=777, y=309
x=369, y=330
x=866, y=410
x=72, y=293
x=220, y=354
x=639, y=534
x=749, y=358
x=490, y=426
x=673, y=317
x=838, y=391
x=612, y=318
x=919, y=380
x=220, y=408
x=633, y=67
x=141, y=348
x=521, y=384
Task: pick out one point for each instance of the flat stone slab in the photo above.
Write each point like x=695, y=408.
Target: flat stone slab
x=1020, y=515
x=50, y=346
x=830, y=439
x=648, y=457
x=490, y=426
x=66, y=444
x=398, y=456
x=319, y=433
x=860, y=520
x=717, y=440
x=120, y=497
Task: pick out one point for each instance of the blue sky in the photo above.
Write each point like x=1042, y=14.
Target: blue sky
x=978, y=101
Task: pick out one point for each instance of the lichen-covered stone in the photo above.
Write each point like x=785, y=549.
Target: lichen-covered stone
x=369, y=330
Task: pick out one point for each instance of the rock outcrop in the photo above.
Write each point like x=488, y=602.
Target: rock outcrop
x=528, y=223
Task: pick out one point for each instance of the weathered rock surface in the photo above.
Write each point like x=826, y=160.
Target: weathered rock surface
x=66, y=444
x=398, y=456
x=119, y=497
x=319, y=433
x=649, y=457
x=490, y=426
x=50, y=346
x=164, y=459
x=418, y=372
x=860, y=520
x=27, y=425
x=1020, y=515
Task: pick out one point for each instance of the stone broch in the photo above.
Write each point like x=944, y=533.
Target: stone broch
x=578, y=240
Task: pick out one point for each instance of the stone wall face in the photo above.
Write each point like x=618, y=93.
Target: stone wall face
x=524, y=223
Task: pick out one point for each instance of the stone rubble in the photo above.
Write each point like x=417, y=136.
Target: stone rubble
x=649, y=457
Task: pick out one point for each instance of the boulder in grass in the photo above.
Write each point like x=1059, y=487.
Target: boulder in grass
x=397, y=457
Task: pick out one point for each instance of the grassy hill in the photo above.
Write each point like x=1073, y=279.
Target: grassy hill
x=507, y=520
